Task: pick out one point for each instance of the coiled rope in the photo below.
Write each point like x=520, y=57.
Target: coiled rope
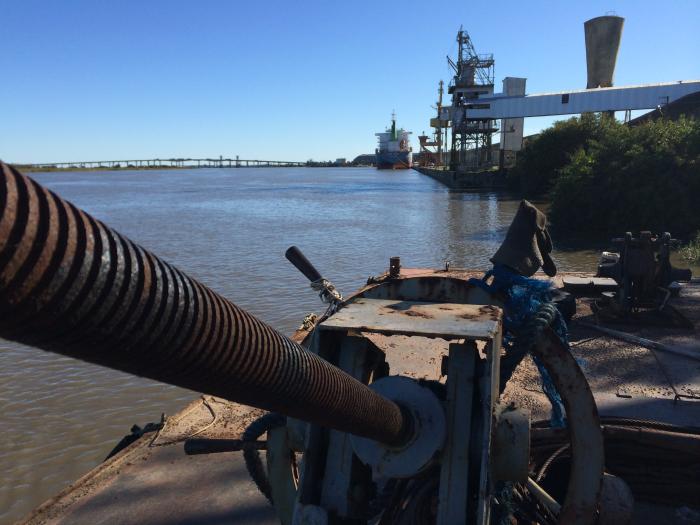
x=528, y=310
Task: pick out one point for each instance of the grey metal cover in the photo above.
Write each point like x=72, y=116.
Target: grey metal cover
x=444, y=320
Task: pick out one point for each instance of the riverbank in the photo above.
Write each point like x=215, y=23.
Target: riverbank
x=688, y=255
x=604, y=177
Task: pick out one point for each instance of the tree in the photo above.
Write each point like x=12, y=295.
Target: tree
x=539, y=163
x=631, y=178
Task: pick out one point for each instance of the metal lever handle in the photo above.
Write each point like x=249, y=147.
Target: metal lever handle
x=299, y=260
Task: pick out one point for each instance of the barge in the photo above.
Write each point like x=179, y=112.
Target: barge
x=154, y=480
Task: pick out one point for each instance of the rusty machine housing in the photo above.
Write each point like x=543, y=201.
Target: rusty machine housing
x=452, y=423
x=645, y=276
x=461, y=442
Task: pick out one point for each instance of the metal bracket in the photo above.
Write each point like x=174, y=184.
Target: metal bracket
x=454, y=475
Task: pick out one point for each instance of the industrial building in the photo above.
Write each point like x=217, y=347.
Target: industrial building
x=477, y=113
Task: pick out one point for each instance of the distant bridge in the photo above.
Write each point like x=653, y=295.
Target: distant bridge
x=221, y=162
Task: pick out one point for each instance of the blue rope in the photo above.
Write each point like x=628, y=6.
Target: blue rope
x=523, y=297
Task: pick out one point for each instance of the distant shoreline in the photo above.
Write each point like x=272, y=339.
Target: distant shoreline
x=41, y=169
x=24, y=168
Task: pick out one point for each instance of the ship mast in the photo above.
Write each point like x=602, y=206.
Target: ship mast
x=438, y=125
x=438, y=130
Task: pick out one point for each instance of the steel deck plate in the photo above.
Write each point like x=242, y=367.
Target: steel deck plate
x=444, y=320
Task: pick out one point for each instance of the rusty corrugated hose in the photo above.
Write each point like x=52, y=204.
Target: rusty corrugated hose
x=72, y=285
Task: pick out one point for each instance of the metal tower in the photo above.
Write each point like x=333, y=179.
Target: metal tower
x=474, y=78
x=435, y=157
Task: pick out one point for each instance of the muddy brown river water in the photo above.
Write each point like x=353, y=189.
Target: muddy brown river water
x=228, y=228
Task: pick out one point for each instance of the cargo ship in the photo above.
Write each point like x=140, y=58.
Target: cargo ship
x=394, y=151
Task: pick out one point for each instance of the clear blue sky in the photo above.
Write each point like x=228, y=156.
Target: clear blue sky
x=92, y=80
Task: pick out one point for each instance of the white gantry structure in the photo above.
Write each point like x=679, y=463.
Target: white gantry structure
x=623, y=98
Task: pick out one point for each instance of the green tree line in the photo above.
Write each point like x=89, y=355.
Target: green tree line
x=604, y=177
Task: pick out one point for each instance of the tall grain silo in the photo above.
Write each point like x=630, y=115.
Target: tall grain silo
x=602, y=43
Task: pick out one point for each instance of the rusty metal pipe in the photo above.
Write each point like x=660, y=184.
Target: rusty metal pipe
x=70, y=284
x=585, y=436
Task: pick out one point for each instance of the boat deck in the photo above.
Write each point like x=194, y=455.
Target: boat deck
x=629, y=380
x=153, y=481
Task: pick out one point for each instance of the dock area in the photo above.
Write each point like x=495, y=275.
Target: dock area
x=154, y=481
x=481, y=180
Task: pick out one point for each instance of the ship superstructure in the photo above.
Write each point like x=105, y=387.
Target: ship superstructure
x=394, y=151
